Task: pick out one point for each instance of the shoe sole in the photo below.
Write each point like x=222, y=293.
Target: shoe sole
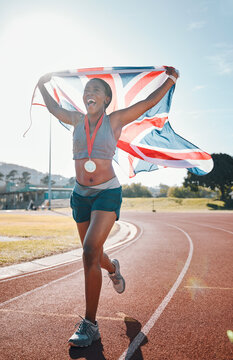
x=74, y=345
x=120, y=292
x=118, y=264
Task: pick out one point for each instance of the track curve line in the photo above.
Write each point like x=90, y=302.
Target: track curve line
x=212, y=227
x=128, y=353
x=121, y=247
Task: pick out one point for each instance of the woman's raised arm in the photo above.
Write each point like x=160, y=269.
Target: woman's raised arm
x=125, y=116
x=66, y=116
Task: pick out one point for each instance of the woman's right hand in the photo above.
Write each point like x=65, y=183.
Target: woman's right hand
x=45, y=78
x=172, y=71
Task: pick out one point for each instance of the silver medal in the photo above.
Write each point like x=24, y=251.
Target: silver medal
x=90, y=166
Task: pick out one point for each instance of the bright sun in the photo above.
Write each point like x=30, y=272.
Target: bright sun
x=37, y=41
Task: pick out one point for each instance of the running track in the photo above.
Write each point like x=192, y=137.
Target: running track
x=178, y=302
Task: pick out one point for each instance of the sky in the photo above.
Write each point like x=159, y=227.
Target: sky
x=37, y=37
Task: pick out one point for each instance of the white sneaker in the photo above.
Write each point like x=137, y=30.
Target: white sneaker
x=117, y=278
x=87, y=333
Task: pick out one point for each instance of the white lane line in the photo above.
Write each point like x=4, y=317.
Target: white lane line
x=212, y=227
x=69, y=262
x=207, y=287
x=39, y=288
x=124, y=245
x=31, y=273
x=148, y=326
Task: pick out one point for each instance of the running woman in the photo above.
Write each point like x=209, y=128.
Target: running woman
x=97, y=195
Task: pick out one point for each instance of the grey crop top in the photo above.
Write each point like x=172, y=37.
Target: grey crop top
x=104, y=145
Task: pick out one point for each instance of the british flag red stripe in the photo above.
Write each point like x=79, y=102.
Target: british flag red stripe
x=134, y=129
x=155, y=154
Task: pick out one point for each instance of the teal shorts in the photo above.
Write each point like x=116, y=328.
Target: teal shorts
x=105, y=200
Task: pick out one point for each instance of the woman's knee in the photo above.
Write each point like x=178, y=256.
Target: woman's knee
x=91, y=254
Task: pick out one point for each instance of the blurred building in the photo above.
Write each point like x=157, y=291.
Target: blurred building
x=14, y=196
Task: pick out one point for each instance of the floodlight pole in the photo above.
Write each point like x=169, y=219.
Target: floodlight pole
x=49, y=184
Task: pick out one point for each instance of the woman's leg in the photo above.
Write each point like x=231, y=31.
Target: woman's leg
x=82, y=229
x=100, y=225
x=105, y=262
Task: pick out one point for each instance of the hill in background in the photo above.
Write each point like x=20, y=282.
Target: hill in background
x=36, y=176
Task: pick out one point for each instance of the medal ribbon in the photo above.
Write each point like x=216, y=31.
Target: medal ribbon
x=90, y=140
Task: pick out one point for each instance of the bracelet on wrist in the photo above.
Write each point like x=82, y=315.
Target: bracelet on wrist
x=173, y=78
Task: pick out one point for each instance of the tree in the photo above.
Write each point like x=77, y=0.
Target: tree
x=25, y=178
x=45, y=180
x=71, y=181
x=1, y=176
x=221, y=177
x=178, y=192
x=12, y=176
x=163, y=190
x=135, y=190
x=186, y=192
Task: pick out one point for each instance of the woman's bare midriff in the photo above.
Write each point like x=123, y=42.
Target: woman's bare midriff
x=104, y=172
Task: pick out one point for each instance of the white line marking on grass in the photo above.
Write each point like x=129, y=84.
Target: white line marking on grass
x=148, y=326
x=124, y=245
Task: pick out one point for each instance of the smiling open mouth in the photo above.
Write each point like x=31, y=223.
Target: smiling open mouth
x=90, y=101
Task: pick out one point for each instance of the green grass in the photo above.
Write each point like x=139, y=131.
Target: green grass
x=36, y=225
x=27, y=250
x=41, y=236
x=171, y=204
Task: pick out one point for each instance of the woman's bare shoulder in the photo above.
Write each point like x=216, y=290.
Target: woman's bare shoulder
x=77, y=118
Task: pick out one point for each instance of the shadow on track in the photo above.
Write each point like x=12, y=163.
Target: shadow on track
x=133, y=328
x=93, y=352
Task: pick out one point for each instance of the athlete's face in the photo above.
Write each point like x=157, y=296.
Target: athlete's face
x=94, y=97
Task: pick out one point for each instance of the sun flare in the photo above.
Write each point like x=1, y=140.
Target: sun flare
x=37, y=41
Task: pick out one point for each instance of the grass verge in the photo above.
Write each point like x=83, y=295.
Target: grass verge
x=26, y=250
x=171, y=204
x=40, y=236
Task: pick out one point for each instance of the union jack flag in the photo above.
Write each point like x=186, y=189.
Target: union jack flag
x=149, y=142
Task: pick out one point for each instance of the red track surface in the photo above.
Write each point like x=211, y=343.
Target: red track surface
x=184, y=312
